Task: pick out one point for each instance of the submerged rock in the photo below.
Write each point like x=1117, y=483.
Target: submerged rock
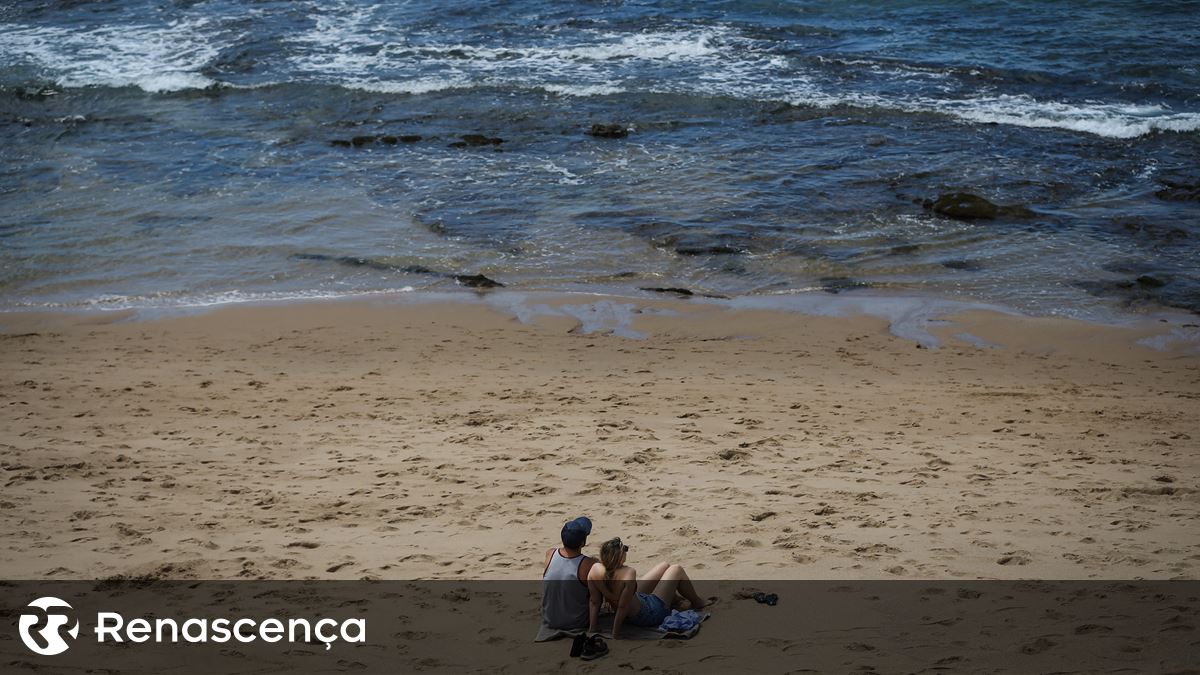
x=838, y=284
x=965, y=265
x=386, y=139
x=966, y=206
x=1178, y=191
x=476, y=141
x=477, y=281
x=1151, y=230
x=1147, y=288
x=707, y=249
x=470, y=280
x=681, y=292
x=676, y=291
x=608, y=131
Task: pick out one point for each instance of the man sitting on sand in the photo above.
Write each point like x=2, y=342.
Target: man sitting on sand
x=564, y=581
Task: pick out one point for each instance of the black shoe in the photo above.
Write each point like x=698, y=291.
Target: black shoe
x=577, y=645
x=594, y=648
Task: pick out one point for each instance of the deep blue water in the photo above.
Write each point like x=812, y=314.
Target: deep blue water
x=189, y=152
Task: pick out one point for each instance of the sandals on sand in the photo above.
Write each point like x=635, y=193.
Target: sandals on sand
x=594, y=648
x=588, y=648
x=766, y=598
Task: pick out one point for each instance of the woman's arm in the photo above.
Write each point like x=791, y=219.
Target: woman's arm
x=595, y=597
x=626, y=600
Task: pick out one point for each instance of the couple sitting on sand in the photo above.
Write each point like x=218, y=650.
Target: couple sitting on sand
x=574, y=586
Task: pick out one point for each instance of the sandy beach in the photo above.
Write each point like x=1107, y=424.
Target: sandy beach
x=447, y=440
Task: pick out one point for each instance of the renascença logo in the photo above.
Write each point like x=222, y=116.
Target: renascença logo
x=43, y=623
x=45, y=620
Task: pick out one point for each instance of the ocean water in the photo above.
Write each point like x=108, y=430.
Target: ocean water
x=158, y=154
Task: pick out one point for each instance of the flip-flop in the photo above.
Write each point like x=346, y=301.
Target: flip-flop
x=766, y=598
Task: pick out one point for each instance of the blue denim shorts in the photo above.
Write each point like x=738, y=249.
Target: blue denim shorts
x=653, y=611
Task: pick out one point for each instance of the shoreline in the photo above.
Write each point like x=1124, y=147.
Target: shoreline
x=909, y=316
x=433, y=439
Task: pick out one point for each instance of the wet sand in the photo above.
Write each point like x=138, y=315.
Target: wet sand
x=375, y=440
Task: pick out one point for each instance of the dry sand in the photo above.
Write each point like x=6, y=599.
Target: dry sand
x=447, y=440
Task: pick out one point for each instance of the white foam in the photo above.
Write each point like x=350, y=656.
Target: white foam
x=162, y=301
x=1112, y=120
x=353, y=45
x=661, y=46
x=154, y=58
x=583, y=90
x=419, y=85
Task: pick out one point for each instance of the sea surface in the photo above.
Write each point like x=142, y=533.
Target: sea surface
x=160, y=154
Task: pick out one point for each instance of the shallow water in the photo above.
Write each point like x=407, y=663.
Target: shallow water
x=185, y=153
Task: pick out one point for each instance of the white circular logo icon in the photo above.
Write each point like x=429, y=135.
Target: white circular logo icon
x=42, y=626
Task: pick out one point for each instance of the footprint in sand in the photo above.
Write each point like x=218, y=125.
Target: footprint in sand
x=1014, y=558
x=1038, y=646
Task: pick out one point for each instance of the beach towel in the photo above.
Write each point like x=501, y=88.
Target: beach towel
x=628, y=632
x=682, y=622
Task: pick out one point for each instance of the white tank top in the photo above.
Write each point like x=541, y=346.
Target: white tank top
x=564, y=596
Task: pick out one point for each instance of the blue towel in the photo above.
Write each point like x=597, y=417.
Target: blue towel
x=681, y=622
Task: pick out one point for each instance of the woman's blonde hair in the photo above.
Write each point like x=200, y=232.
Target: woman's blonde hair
x=610, y=556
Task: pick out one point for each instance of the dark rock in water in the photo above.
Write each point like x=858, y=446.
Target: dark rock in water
x=685, y=240
x=707, y=249
x=966, y=265
x=677, y=291
x=1150, y=229
x=350, y=261
x=354, y=261
x=477, y=281
x=360, y=141
x=1178, y=191
x=310, y=256
x=839, y=284
x=681, y=292
x=608, y=131
x=1148, y=289
x=966, y=206
x=476, y=141
x=421, y=269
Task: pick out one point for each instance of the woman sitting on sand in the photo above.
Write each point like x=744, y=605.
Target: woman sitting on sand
x=642, y=603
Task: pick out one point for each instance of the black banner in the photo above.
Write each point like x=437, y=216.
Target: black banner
x=489, y=626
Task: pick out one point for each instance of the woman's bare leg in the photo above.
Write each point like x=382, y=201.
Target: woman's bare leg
x=650, y=580
x=675, y=579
